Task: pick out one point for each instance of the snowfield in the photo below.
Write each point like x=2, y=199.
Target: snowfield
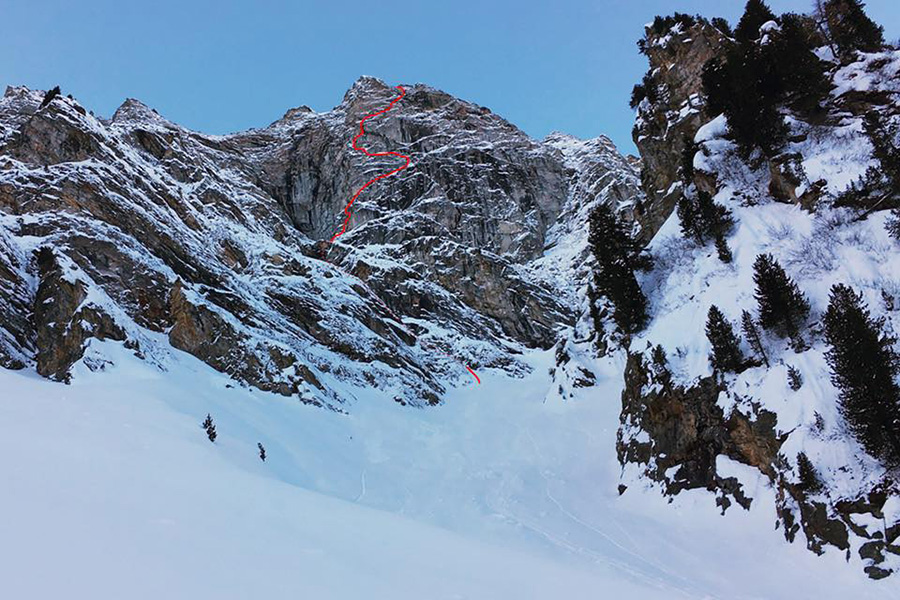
x=111, y=489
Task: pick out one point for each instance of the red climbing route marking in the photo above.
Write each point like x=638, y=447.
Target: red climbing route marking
x=347, y=209
x=362, y=132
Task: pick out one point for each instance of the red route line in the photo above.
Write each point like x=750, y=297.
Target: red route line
x=362, y=132
x=347, y=211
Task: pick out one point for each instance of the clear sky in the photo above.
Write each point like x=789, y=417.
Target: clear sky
x=218, y=66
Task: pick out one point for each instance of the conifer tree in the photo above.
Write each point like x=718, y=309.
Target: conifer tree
x=647, y=88
x=688, y=218
x=795, y=379
x=751, y=91
x=262, y=451
x=49, y=96
x=715, y=219
x=864, y=365
x=882, y=136
x=616, y=254
x=749, y=81
x=809, y=477
x=689, y=150
x=800, y=72
x=722, y=25
x=851, y=29
x=893, y=224
x=756, y=13
x=726, y=351
x=752, y=335
x=782, y=306
x=715, y=77
x=703, y=218
x=722, y=249
x=661, y=366
x=210, y=428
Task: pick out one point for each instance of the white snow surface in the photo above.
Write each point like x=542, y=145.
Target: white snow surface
x=111, y=489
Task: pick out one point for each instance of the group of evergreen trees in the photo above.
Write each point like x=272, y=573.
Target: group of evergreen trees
x=782, y=310
x=753, y=80
x=618, y=256
x=763, y=71
x=848, y=28
x=862, y=358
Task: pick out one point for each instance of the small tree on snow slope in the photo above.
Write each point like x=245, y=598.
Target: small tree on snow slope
x=726, y=350
x=210, y=428
x=751, y=332
x=782, y=306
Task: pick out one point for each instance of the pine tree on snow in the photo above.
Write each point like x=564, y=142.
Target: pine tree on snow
x=661, y=366
x=864, y=365
x=782, y=306
x=722, y=249
x=756, y=13
x=210, y=428
x=809, y=477
x=616, y=254
x=882, y=135
x=850, y=28
x=801, y=73
x=702, y=219
x=795, y=379
x=726, y=351
x=753, y=338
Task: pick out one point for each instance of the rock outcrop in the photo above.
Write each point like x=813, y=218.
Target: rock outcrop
x=687, y=431
x=672, y=111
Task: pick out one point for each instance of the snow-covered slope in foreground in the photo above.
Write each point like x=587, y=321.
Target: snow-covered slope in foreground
x=112, y=490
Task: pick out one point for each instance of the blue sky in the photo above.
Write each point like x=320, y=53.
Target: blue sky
x=219, y=66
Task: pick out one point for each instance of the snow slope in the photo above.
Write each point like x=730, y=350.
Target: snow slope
x=112, y=490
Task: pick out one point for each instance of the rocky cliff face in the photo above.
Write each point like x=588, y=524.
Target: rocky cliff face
x=138, y=231
x=672, y=111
